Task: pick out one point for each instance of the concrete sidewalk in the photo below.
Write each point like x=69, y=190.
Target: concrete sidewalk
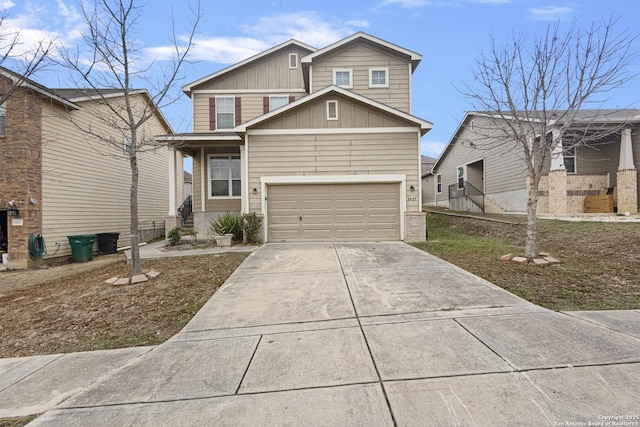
x=356, y=334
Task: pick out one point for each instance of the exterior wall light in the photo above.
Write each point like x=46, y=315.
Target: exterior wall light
x=254, y=191
x=412, y=188
x=13, y=210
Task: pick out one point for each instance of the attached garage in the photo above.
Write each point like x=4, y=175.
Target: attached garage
x=333, y=212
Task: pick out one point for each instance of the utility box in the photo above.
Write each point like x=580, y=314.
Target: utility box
x=82, y=247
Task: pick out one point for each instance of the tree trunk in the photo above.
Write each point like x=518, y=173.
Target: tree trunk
x=531, y=243
x=136, y=267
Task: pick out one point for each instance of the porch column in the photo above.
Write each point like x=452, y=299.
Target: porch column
x=557, y=156
x=627, y=177
x=244, y=185
x=557, y=177
x=172, y=220
x=172, y=181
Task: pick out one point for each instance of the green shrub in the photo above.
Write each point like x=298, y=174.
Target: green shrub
x=174, y=236
x=229, y=223
x=251, y=225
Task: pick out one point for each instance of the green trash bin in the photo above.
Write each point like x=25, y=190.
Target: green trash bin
x=82, y=247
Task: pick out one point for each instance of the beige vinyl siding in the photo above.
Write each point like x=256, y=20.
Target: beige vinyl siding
x=85, y=192
x=333, y=154
x=360, y=57
x=351, y=114
x=428, y=190
x=270, y=72
x=212, y=205
x=251, y=106
x=503, y=168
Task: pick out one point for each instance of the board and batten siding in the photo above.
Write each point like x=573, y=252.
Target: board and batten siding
x=85, y=192
x=251, y=106
x=360, y=57
x=504, y=170
x=269, y=72
x=351, y=114
x=333, y=154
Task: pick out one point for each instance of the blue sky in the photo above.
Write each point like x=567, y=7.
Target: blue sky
x=448, y=34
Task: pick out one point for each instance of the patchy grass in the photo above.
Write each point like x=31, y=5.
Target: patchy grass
x=600, y=262
x=18, y=421
x=80, y=312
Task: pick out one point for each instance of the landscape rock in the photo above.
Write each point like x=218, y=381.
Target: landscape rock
x=139, y=278
x=551, y=259
x=122, y=281
x=112, y=280
x=540, y=261
x=506, y=257
x=152, y=274
x=519, y=260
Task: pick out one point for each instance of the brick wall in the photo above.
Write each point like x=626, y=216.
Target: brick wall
x=575, y=188
x=21, y=173
x=415, y=227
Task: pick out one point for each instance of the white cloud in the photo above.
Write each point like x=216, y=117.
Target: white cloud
x=405, y=3
x=307, y=27
x=550, y=13
x=432, y=148
x=6, y=4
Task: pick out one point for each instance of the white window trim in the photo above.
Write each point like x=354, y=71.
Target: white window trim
x=293, y=55
x=335, y=102
x=571, y=153
x=278, y=96
x=439, y=176
x=221, y=155
x=233, y=111
x=386, y=77
x=343, y=70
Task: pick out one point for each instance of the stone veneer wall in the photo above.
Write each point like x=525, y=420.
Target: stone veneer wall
x=576, y=187
x=415, y=227
x=627, y=191
x=21, y=173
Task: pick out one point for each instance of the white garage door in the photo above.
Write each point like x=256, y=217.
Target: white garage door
x=333, y=212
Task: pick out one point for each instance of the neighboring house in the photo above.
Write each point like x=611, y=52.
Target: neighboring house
x=481, y=172
x=59, y=181
x=425, y=170
x=187, y=184
x=320, y=143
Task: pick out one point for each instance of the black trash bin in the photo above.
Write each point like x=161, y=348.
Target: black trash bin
x=108, y=243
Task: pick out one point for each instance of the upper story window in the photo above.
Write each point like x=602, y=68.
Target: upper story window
x=439, y=183
x=277, y=101
x=293, y=60
x=126, y=143
x=3, y=118
x=332, y=110
x=343, y=78
x=473, y=125
x=379, y=77
x=225, y=109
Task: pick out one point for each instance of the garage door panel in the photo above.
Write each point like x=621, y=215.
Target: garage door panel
x=333, y=212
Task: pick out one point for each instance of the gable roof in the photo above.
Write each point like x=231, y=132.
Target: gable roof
x=189, y=87
x=413, y=57
x=425, y=126
x=36, y=87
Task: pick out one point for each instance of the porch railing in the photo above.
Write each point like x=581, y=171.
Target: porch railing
x=185, y=209
x=470, y=192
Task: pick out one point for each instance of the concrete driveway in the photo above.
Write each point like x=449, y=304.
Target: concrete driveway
x=370, y=334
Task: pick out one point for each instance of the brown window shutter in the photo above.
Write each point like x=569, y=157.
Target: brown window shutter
x=212, y=114
x=265, y=104
x=238, y=109
x=291, y=99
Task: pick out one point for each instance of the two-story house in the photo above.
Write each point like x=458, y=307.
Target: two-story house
x=56, y=180
x=319, y=142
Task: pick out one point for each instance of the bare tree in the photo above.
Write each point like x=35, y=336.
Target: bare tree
x=532, y=91
x=22, y=60
x=116, y=62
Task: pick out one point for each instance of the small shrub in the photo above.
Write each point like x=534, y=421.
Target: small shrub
x=229, y=223
x=174, y=236
x=251, y=226
x=190, y=232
